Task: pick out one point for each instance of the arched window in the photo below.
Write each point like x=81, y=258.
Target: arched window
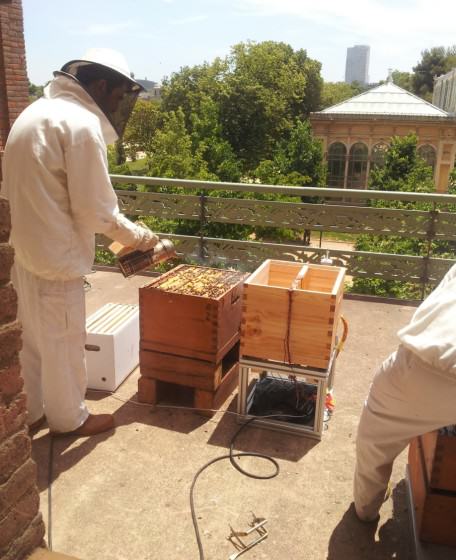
x=378, y=155
x=357, y=166
x=336, y=164
x=427, y=152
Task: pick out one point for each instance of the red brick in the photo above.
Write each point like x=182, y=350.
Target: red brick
x=6, y=262
x=11, y=382
x=13, y=416
x=14, y=452
x=5, y=220
x=8, y=298
x=30, y=539
x=10, y=342
x=18, y=519
x=19, y=483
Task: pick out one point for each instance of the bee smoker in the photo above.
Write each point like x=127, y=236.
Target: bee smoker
x=136, y=261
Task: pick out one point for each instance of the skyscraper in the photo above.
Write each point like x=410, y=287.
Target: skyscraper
x=357, y=65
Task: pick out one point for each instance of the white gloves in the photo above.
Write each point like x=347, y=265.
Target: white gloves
x=134, y=235
x=147, y=238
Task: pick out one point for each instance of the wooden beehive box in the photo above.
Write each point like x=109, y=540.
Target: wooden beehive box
x=291, y=312
x=192, y=311
x=432, y=472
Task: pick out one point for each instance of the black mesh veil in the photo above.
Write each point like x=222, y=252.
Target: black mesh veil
x=120, y=116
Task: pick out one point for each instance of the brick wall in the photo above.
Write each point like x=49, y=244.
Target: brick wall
x=13, y=70
x=21, y=524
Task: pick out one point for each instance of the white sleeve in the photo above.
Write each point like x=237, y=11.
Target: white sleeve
x=448, y=276
x=93, y=202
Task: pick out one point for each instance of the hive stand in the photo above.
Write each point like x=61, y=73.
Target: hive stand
x=212, y=383
x=250, y=372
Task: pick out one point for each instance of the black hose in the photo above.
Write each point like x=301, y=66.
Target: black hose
x=231, y=457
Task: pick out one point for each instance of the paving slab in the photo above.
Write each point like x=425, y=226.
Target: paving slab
x=125, y=495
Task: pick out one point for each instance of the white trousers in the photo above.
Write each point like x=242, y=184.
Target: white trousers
x=407, y=398
x=52, y=313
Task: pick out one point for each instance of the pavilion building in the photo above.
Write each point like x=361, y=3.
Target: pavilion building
x=356, y=134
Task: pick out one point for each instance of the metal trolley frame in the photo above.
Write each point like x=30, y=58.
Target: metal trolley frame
x=321, y=378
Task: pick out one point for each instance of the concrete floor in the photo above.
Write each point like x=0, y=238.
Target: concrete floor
x=125, y=495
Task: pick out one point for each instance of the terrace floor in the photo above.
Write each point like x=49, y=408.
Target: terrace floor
x=125, y=495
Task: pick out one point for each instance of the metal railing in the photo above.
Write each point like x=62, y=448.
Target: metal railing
x=341, y=211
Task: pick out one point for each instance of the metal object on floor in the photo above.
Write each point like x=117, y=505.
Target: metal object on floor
x=251, y=372
x=257, y=527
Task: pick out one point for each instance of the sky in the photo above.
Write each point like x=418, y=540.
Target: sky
x=158, y=37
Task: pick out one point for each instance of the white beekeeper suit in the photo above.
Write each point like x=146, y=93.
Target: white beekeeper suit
x=55, y=175
x=414, y=392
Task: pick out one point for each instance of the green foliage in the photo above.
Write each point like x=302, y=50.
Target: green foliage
x=434, y=62
x=240, y=107
x=102, y=256
x=207, y=138
x=403, y=80
x=404, y=171
x=268, y=86
x=35, y=92
x=141, y=128
x=452, y=181
x=172, y=153
x=336, y=92
x=297, y=160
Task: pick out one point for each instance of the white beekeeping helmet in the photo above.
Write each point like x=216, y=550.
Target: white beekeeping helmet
x=108, y=58
x=112, y=61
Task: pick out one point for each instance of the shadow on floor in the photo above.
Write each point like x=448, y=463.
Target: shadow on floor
x=64, y=456
x=354, y=540
x=261, y=440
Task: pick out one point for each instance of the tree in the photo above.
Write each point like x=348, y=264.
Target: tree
x=268, y=86
x=404, y=170
x=207, y=138
x=141, y=128
x=336, y=92
x=35, y=92
x=253, y=96
x=403, y=80
x=171, y=152
x=298, y=160
x=187, y=88
x=434, y=62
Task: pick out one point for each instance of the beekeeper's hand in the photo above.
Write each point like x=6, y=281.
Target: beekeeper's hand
x=147, y=240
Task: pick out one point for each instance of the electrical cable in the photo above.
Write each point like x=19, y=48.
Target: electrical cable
x=231, y=456
x=50, y=476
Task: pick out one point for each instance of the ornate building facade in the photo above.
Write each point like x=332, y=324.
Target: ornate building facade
x=356, y=134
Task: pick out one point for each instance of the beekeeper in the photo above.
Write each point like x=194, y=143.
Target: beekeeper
x=414, y=392
x=55, y=175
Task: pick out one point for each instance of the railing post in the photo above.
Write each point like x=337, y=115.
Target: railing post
x=430, y=234
x=202, y=216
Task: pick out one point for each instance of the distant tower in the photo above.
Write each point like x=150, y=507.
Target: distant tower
x=357, y=65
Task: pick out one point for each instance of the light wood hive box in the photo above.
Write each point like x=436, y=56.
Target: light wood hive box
x=291, y=312
x=432, y=472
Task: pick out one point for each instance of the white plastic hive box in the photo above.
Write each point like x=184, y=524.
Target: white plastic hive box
x=112, y=345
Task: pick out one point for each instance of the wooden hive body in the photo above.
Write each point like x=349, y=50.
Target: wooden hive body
x=291, y=312
x=432, y=472
x=184, y=324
